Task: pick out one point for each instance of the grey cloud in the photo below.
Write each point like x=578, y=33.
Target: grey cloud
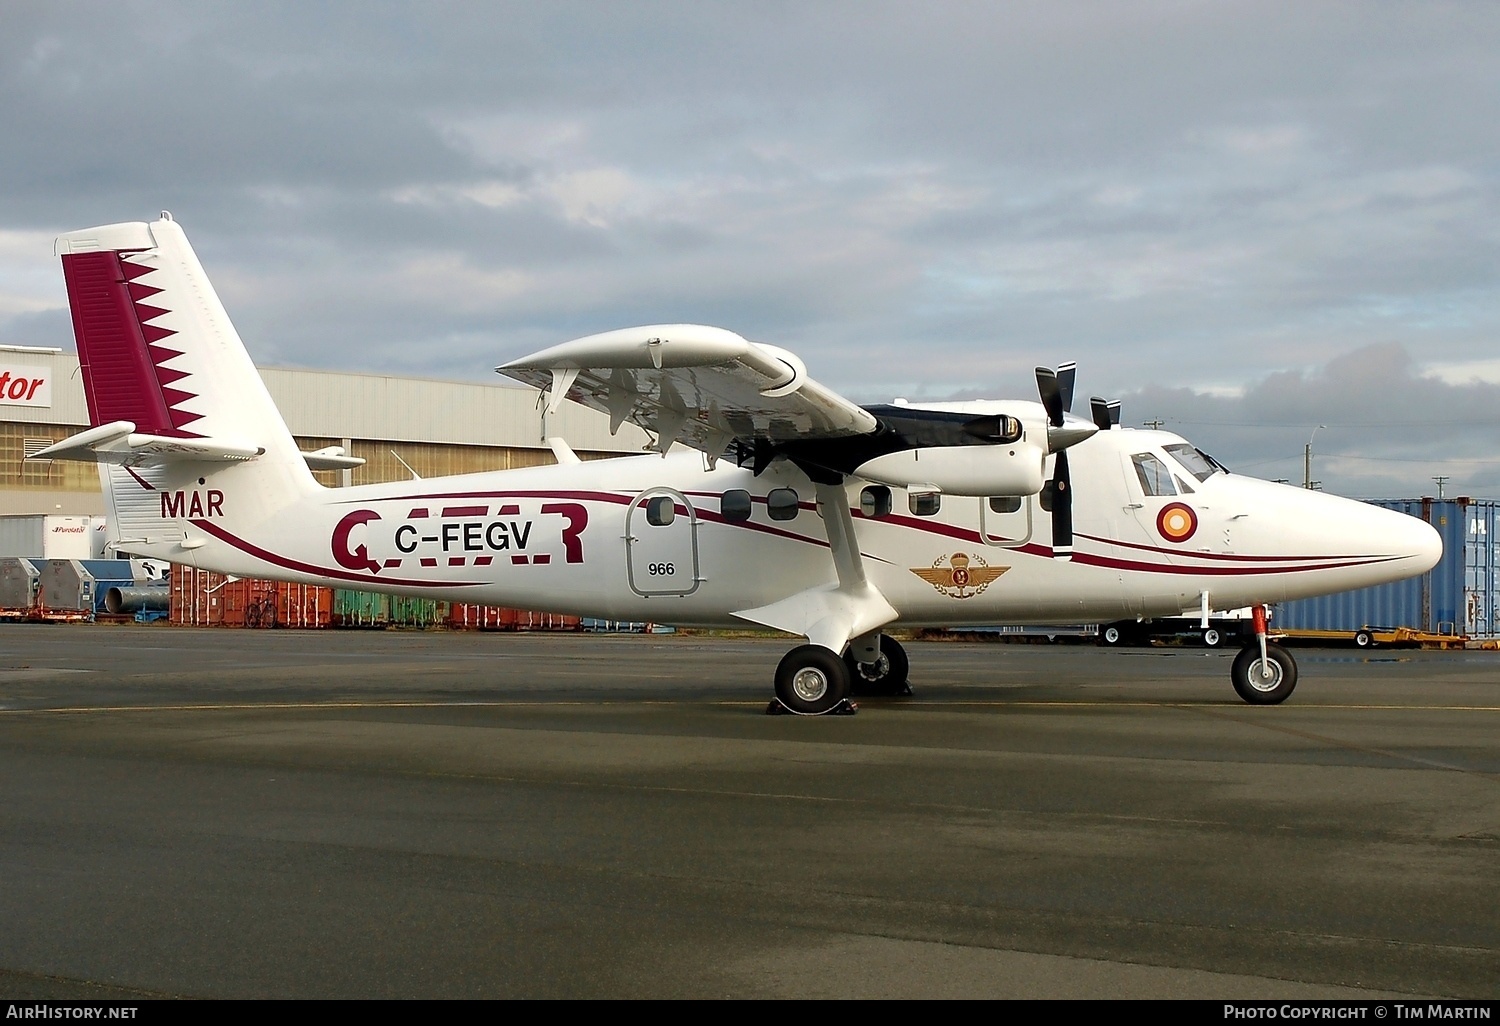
x=920, y=200
x=1388, y=431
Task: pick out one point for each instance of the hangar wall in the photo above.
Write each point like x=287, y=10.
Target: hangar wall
x=437, y=427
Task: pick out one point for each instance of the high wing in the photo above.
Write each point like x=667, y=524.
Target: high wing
x=694, y=384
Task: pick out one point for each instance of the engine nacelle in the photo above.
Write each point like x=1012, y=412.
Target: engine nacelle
x=962, y=469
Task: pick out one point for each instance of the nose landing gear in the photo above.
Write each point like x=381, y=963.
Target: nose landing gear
x=1263, y=673
x=1264, y=680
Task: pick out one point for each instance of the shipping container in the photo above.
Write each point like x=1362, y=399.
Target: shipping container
x=468, y=616
x=1461, y=595
x=598, y=626
x=303, y=605
x=64, y=586
x=201, y=598
x=50, y=537
x=472, y=617
x=405, y=611
x=197, y=599
x=359, y=608
x=19, y=580
x=526, y=620
x=374, y=609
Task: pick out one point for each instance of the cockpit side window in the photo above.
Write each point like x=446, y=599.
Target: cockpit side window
x=1193, y=461
x=1154, y=476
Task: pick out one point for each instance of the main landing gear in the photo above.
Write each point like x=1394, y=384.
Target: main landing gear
x=812, y=681
x=1263, y=673
x=886, y=675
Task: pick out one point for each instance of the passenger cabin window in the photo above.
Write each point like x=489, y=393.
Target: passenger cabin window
x=660, y=509
x=924, y=504
x=734, y=505
x=875, y=501
x=1194, y=462
x=1154, y=476
x=781, y=504
x=1005, y=503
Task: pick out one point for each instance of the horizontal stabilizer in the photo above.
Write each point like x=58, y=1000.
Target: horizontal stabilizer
x=119, y=443
x=332, y=458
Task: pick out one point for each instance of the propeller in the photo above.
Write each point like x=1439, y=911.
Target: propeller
x=1056, y=390
x=1106, y=414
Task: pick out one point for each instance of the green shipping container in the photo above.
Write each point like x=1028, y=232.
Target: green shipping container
x=414, y=612
x=360, y=608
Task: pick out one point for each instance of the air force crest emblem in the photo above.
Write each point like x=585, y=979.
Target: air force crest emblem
x=960, y=576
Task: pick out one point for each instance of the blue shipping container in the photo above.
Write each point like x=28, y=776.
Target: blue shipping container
x=1461, y=595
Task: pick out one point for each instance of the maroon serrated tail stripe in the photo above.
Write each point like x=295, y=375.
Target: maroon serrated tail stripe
x=149, y=313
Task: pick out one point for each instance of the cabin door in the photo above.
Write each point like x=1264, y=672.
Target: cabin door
x=661, y=543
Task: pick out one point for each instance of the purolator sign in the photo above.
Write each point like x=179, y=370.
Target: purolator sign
x=24, y=384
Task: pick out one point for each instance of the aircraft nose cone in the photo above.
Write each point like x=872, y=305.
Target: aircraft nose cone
x=1424, y=544
x=1415, y=544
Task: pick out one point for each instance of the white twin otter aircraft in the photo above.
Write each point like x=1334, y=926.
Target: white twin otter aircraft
x=784, y=505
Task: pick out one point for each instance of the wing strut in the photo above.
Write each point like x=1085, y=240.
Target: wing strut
x=830, y=614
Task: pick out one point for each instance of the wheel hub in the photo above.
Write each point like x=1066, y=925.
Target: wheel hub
x=1265, y=674
x=810, y=684
x=877, y=670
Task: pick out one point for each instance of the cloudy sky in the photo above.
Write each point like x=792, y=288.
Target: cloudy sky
x=1246, y=220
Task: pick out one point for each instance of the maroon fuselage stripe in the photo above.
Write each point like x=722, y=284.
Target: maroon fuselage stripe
x=321, y=571
x=1220, y=555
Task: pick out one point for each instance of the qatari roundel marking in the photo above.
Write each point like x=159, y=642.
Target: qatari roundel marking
x=1176, y=522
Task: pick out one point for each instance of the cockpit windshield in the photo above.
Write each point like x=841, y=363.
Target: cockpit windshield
x=1199, y=464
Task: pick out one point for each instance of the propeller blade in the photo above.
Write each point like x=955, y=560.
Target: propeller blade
x=1114, y=413
x=1066, y=373
x=1050, y=390
x=1062, y=509
x=1099, y=411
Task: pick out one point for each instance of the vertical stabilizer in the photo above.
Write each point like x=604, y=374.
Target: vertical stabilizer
x=163, y=364
x=156, y=346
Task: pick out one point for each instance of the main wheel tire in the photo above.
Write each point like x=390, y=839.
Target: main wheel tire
x=1364, y=639
x=885, y=676
x=1211, y=638
x=811, y=680
x=1264, y=684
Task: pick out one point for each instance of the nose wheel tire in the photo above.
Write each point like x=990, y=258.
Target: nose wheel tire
x=811, y=680
x=885, y=676
x=1264, y=683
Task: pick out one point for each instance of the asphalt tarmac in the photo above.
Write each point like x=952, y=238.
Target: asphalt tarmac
x=231, y=813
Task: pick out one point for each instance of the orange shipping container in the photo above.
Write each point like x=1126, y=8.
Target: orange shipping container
x=469, y=616
x=202, y=598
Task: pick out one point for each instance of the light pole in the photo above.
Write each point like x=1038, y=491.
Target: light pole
x=1307, y=481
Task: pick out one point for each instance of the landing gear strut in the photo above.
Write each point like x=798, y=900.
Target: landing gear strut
x=885, y=676
x=1263, y=673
